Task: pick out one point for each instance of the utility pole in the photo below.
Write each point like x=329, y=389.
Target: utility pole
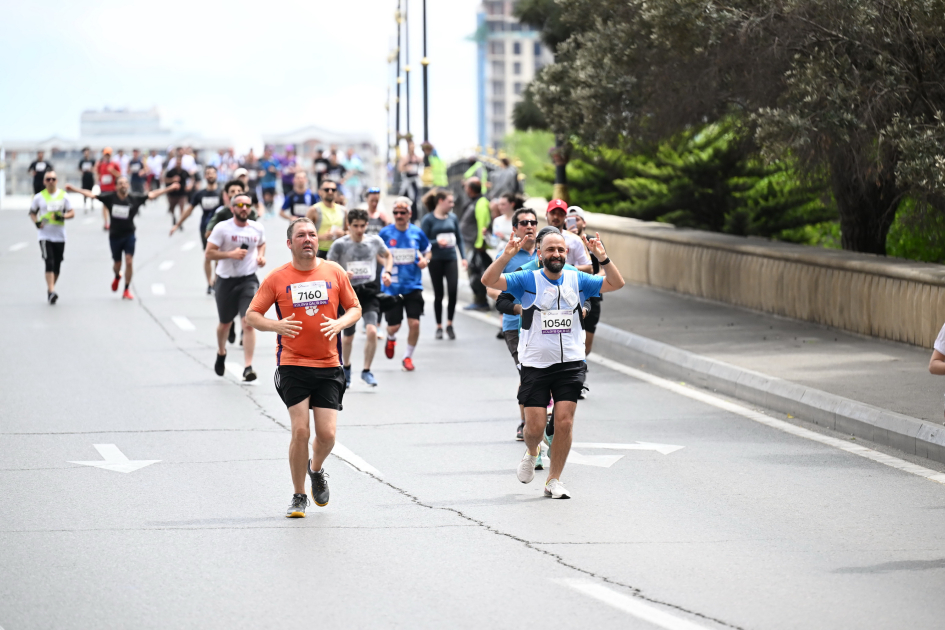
x=407, y=57
x=425, y=62
x=399, y=18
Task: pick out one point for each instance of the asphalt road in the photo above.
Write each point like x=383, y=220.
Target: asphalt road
x=746, y=526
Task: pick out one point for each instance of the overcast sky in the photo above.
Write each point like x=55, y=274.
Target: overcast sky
x=236, y=69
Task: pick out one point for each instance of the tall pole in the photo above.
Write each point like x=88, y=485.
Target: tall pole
x=407, y=57
x=399, y=18
x=426, y=62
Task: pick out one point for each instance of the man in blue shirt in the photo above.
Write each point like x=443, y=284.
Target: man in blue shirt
x=410, y=248
x=269, y=166
x=524, y=226
x=551, y=343
x=299, y=199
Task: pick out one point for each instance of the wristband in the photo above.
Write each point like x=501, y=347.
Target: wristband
x=39, y=224
x=606, y=261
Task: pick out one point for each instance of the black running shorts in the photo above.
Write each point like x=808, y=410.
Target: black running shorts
x=370, y=306
x=413, y=305
x=593, y=315
x=562, y=380
x=233, y=296
x=324, y=387
x=53, y=254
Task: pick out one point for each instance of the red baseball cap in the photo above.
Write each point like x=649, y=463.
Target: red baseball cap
x=557, y=204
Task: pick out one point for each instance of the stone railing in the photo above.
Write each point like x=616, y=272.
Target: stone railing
x=888, y=298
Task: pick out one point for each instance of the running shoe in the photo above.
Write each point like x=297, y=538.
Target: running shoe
x=484, y=308
x=389, y=348
x=526, y=468
x=297, y=507
x=209, y=290
x=500, y=334
x=52, y=297
x=347, y=376
x=556, y=490
x=115, y=282
x=249, y=374
x=319, y=485
x=220, y=366
x=368, y=378
x=408, y=365
x=450, y=333
x=231, y=337
x=439, y=333
x=520, y=432
x=542, y=456
x=127, y=295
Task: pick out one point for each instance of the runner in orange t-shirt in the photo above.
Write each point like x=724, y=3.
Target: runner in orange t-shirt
x=307, y=293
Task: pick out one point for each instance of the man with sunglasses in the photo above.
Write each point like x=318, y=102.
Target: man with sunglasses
x=411, y=251
x=239, y=244
x=122, y=207
x=329, y=217
x=49, y=211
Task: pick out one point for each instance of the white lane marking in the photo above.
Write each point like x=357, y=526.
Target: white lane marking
x=189, y=245
x=664, y=449
x=183, y=323
x=631, y=605
x=158, y=289
x=167, y=264
x=601, y=461
x=18, y=246
x=237, y=371
x=113, y=459
x=781, y=425
x=757, y=416
x=344, y=454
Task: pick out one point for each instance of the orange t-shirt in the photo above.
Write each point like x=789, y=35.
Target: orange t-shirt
x=308, y=294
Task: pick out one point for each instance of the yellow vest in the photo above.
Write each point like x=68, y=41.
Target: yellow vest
x=329, y=218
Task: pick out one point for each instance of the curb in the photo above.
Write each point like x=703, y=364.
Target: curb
x=905, y=433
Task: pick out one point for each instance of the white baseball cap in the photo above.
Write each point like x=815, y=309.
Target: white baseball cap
x=576, y=211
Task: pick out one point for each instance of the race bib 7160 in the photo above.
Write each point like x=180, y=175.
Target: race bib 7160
x=306, y=294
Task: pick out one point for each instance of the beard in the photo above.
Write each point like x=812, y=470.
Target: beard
x=554, y=265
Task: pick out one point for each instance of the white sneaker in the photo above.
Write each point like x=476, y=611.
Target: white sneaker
x=556, y=490
x=526, y=468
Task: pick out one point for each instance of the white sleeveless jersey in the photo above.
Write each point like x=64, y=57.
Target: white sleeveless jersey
x=552, y=330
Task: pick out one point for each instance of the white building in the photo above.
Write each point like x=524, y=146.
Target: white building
x=510, y=53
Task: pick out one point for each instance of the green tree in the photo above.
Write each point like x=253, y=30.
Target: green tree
x=850, y=89
x=531, y=149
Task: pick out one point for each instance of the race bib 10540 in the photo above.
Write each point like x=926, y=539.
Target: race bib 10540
x=556, y=321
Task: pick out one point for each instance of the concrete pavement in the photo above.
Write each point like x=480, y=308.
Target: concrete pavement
x=746, y=526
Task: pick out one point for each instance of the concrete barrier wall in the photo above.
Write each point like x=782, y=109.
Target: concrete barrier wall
x=888, y=298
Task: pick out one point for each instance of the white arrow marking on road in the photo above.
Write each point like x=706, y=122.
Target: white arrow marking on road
x=157, y=289
x=631, y=605
x=167, y=264
x=601, y=461
x=189, y=245
x=17, y=247
x=115, y=460
x=665, y=449
x=344, y=454
x=183, y=323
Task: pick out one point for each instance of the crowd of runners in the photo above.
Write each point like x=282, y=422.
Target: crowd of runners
x=359, y=265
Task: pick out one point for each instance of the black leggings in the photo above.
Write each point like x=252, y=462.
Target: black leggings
x=438, y=270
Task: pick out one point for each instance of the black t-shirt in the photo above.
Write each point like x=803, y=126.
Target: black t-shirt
x=39, y=167
x=294, y=202
x=336, y=172
x=321, y=168
x=177, y=174
x=122, y=212
x=86, y=167
x=136, y=170
x=207, y=201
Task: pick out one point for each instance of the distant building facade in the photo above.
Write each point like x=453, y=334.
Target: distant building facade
x=509, y=55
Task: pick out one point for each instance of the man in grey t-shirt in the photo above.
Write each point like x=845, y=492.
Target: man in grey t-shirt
x=358, y=255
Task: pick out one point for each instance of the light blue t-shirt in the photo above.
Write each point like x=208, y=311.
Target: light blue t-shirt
x=406, y=248
x=514, y=322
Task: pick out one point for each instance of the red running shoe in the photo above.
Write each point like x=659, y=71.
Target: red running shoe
x=115, y=283
x=389, y=348
x=127, y=295
x=408, y=365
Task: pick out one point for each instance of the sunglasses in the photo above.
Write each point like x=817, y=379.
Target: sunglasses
x=527, y=222
x=50, y=179
x=242, y=205
x=329, y=189
x=373, y=191
x=398, y=212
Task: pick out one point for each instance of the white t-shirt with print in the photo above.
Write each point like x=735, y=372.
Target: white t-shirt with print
x=577, y=254
x=228, y=236
x=50, y=231
x=502, y=228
